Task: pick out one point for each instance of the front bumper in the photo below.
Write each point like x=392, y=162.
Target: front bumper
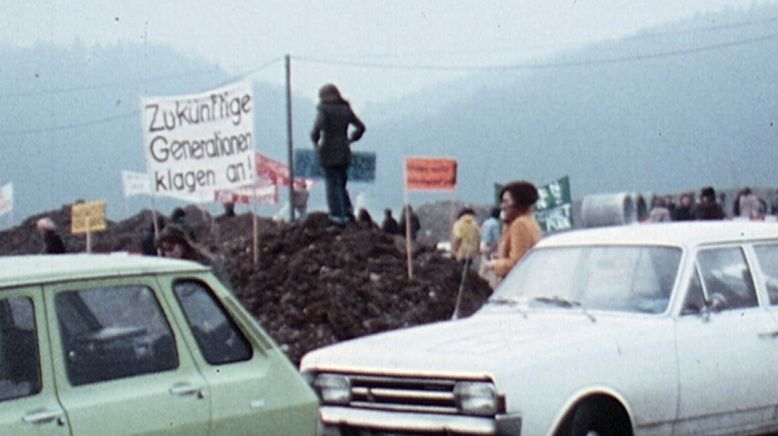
x=332, y=418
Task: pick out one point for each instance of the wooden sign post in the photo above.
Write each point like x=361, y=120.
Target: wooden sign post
x=426, y=174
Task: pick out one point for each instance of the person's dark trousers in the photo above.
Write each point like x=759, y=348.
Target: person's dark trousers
x=337, y=196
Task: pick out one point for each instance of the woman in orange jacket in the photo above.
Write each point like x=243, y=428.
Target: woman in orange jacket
x=520, y=230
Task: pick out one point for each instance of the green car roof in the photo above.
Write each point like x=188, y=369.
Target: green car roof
x=32, y=270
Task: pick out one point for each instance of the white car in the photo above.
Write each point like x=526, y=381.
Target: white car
x=645, y=329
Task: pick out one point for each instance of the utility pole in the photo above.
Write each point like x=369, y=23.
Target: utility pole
x=289, y=143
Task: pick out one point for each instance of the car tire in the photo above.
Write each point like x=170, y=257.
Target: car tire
x=599, y=418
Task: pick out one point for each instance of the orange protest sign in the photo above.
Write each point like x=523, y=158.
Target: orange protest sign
x=430, y=174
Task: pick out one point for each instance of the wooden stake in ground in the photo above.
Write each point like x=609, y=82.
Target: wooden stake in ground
x=88, y=236
x=465, y=267
x=408, y=242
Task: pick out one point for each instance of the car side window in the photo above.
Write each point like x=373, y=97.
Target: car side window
x=218, y=337
x=767, y=256
x=727, y=278
x=19, y=360
x=114, y=332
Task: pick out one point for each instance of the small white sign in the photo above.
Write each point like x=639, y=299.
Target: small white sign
x=135, y=183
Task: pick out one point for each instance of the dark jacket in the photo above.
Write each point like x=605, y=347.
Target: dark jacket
x=148, y=246
x=709, y=211
x=415, y=225
x=390, y=226
x=682, y=213
x=182, y=222
x=52, y=243
x=331, y=126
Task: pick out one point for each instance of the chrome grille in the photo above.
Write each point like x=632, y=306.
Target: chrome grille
x=405, y=394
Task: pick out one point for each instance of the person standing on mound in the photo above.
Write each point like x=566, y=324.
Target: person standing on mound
x=331, y=139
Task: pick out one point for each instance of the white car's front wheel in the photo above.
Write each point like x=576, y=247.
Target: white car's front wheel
x=597, y=417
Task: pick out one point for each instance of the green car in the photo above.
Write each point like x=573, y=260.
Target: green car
x=118, y=345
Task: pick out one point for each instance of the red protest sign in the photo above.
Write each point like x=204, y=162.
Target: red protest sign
x=277, y=173
x=430, y=174
x=272, y=170
x=263, y=192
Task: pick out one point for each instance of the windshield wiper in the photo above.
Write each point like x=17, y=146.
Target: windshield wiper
x=512, y=302
x=556, y=300
x=504, y=301
x=563, y=302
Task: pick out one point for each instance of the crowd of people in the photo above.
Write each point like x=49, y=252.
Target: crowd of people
x=494, y=246
x=710, y=206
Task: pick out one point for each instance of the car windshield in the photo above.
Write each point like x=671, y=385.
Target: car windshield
x=611, y=278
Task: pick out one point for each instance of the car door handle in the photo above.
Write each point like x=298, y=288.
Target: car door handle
x=769, y=335
x=42, y=416
x=185, y=389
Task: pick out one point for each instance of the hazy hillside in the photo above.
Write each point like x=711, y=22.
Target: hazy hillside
x=70, y=120
x=669, y=109
x=686, y=105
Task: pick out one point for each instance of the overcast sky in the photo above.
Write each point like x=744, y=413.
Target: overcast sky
x=241, y=35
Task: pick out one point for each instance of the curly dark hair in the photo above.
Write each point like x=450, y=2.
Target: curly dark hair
x=465, y=211
x=524, y=193
x=175, y=235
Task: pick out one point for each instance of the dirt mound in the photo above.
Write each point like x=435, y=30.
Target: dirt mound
x=314, y=284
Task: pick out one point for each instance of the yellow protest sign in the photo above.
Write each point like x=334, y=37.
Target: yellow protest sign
x=87, y=217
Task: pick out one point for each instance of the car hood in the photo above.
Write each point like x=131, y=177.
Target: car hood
x=478, y=345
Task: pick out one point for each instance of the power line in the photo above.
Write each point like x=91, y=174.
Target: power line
x=638, y=36
x=531, y=66
x=107, y=84
x=547, y=65
x=134, y=113
x=735, y=25
x=249, y=72
x=142, y=80
x=714, y=28
x=70, y=126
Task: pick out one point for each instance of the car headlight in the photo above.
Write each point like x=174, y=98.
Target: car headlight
x=476, y=398
x=333, y=388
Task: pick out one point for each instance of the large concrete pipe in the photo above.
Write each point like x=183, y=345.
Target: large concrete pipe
x=610, y=209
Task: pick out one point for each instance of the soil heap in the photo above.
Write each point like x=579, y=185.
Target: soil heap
x=314, y=283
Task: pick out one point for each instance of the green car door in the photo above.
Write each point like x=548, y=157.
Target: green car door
x=28, y=401
x=121, y=366
x=254, y=388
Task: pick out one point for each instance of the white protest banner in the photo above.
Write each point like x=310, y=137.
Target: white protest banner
x=136, y=183
x=197, y=144
x=6, y=198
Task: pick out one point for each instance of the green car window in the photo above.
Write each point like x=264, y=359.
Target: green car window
x=19, y=360
x=219, y=339
x=114, y=332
